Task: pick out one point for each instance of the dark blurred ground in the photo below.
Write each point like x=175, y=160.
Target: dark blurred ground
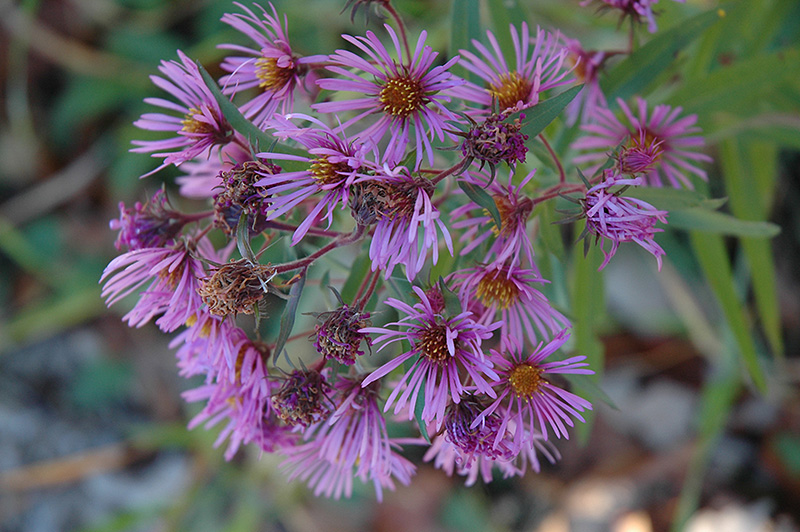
x=92, y=427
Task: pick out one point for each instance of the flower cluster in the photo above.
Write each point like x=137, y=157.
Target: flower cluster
x=472, y=347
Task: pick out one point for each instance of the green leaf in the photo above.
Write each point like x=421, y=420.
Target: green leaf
x=418, y=407
x=745, y=172
x=482, y=199
x=503, y=14
x=668, y=199
x=590, y=388
x=588, y=304
x=451, y=303
x=289, y=313
x=710, y=252
x=634, y=74
x=466, y=25
x=738, y=86
x=358, y=271
x=243, y=239
x=699, y=219
x=257, y=138
x=543, y=113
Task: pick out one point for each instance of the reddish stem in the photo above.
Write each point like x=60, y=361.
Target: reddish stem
x=365, y=299
x=400, y=26
x=562, y=177
x=344, y=240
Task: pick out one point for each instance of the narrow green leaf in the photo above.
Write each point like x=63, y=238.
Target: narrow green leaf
x=451, y=303
x=588, y=302
x=588, y=387
x=418, y=407
x=700, y=219
x=482, y=199
x=260, y=140
x=665, y=198
x=733, y=88
x=503, y=14
x=243, y=239
x=358, y=271
x=634, y=74
x=751, y=190
x=710, y=252
x=549, y=231
x=466, y=25
x=543, y=113
x=289, y=314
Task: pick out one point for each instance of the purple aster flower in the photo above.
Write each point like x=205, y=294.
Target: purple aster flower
x=237, y=194
x=337, y=334
x=587, y=65
x=405, y=94
x=636, y=9
x=406, y=221
x=610, y=216
x=493, y=140
x=173, y=274
x=303, y=397
x=271, y=66
x=539, y=65
x=239, y=394
x=671, y=141
x=510, y=241
x=204, y=346
x=525, y=395
x=353, y=442
x=506, y=294
x=152, y=225
x=442, y=347
x=332, y=165
x=200, y=124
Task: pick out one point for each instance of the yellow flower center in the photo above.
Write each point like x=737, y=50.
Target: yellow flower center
x=434, y=344
x=498, y=289
x=401, y=96
x=325, y=172
x=509, y=89
x=649, y=144
x=271, y=75
x=525, y=380
x=192, y=125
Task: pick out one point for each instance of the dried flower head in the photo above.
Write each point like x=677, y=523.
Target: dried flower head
x=303, y=398
x=236, y=287
x=337, y=334
x=239, y=196
x=494, y=141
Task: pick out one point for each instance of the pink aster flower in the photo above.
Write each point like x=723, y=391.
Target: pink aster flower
x=505, y=293
x=353, y=442
x=670, y=140
x=636, y=9
x=331, y=167
x=406, y=221
x=271, y=65
x=539, y=65
x=204, y=346
x=508, y=242
x=587, y=65
x=173, y=274
x=404, y=93
x=442, y=347
x=526, y=397
x=200, y=124
x=610, y=216
x=239, y=395
x=202, y=176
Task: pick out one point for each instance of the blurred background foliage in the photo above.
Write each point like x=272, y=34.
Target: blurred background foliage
x=93, y=431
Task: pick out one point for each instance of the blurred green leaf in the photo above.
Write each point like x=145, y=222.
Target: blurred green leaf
x=632, y=75
x=588, y=305
x=739, y=85
x=746, y=173
x=101, y=382
x=358, y=271
x=466, y=25
x=503, y=14
x=699, y=219
x=787, y=446
x=669, y=199
x=586, y=385
x=464, y=510
x=710, y=252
